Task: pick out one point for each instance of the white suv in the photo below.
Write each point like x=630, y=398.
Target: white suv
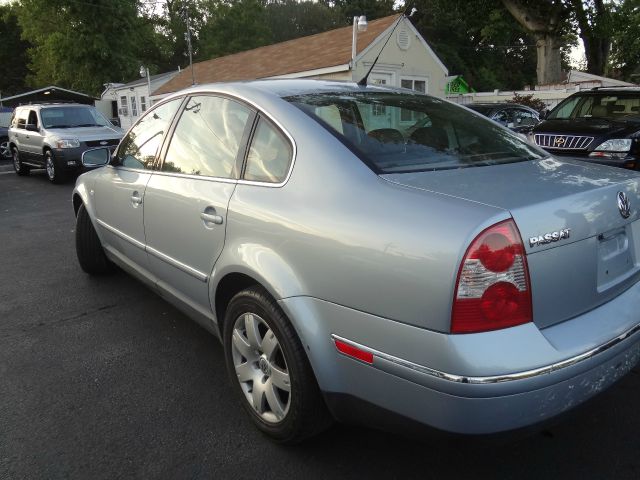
x=54, y=136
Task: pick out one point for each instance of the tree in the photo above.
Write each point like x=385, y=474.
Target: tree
x=13, y=53
x=347, y=9
x=625, y=48
x=548, y=22
x=288, y=19
x=233, y=27
x=594, y=23
x=479, y=40
x=82, y=45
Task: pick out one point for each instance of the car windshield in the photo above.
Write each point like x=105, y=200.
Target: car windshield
x=72, y=117
x=603, y=106
x=402, y=132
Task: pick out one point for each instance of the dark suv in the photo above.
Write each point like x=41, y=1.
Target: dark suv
x=600, y=125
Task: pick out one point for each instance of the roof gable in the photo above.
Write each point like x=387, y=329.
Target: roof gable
x=322, y=50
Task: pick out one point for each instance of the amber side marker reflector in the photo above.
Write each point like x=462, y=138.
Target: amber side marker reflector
x=354, y=352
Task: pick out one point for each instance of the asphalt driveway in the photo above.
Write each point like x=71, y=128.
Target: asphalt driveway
x=101, y=378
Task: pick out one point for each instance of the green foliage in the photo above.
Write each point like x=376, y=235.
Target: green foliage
x=529, y=101
x=13, y=53
x=233, y=27
x=347, y=9
x=625, y=54
x=478, y=40
x=81, y=45
x=288, y=19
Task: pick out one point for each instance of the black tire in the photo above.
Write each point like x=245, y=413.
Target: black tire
x=18, y=166
x=53, y=171
x=306, y=414
x=88, y=247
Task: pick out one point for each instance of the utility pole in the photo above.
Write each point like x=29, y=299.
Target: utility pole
x=188, y=37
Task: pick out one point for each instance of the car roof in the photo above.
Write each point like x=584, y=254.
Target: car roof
x=287, y=87
x=497, y=105
x=52, y=104
x=609, y=90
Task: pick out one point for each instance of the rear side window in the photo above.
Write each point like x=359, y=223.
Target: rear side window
x=207, y=138
x=139, y=148
x=270, y=155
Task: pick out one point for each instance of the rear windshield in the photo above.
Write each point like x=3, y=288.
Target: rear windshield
x=608, y=106
x=403, y=132
x=72, y=117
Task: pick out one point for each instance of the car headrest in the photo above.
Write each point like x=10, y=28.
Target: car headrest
x=599, y=111
x=434, y=137
x=386, y=135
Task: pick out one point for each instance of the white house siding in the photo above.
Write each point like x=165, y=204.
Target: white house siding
x=415, y=62
x=137, y=92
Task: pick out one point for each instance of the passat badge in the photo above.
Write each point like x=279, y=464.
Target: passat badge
x=623, y=205
x=549, y=237
x=104, y=142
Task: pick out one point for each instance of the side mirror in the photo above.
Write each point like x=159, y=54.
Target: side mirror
x=96, y=157
x=31, y=127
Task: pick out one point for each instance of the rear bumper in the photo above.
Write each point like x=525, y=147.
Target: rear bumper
x=477, y=383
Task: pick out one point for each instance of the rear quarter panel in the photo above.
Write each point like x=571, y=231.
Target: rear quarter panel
x=338, y=232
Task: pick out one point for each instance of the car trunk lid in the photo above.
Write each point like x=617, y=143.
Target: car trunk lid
x=581, y=249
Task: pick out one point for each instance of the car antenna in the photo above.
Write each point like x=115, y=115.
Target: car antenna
x=363, y=81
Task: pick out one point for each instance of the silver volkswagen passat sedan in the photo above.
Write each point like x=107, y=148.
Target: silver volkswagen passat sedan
x=452, y=275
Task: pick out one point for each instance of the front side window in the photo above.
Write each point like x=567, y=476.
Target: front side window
x=139, y=148
x=208, y=137
x=445, y=136
x=21, y=118
x=33, y=118
x=270, y=155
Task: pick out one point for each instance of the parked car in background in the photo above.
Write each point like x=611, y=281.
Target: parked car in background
x=518, y=118
x=461, y=278
x=601, y=125
x=54, y=136
x=5, y=120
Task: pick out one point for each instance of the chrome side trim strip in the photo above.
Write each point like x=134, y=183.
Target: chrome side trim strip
x=122, y=235
x=495, y=378
x=203, y=277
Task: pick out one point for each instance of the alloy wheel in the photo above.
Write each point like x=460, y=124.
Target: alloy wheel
x=51, y=169
x=261, y=367
x=16, y=160
x=5, y=151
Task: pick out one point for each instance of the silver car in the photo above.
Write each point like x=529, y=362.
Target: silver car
x=53, y=136
x=452, y=275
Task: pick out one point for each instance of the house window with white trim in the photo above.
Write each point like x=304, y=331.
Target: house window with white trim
x=143, y=103
x=124, y=107
x=379, y=110
x=134, y=107
x=418, y=86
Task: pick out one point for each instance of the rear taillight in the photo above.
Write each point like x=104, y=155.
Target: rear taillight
x=493, y=290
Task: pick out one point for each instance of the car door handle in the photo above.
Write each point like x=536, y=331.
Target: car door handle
x=136, y=199
x=209, y=217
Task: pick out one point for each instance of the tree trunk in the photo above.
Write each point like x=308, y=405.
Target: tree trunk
x=597, y=52
x=548, y=70
x=542, y=19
